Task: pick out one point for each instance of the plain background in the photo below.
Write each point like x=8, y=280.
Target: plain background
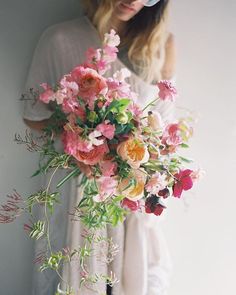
x=200, y=229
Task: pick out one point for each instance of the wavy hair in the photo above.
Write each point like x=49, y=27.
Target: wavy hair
x=145, y=34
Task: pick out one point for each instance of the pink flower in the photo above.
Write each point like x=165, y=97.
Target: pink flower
x=90, y=83
x=156, y=183
x=106, y=188
x=183, y=182
x=93, y=156
x=73, y=106
x=106, y=129
x=112, y=39
x=167, y=91
x=73, y=143
x=132, y=205
x=172, y=135
x=108, y=168
x=110, y=54
x=48, y=95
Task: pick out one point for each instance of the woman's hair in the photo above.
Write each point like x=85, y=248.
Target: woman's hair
x=146, y=34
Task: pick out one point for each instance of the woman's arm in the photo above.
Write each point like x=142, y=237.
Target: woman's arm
x=169, y=67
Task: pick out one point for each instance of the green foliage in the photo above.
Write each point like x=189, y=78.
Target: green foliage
x=54, y=261
x=38, y=230
x=42, y=197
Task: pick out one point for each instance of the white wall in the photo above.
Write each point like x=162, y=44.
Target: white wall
x=200, y=231
x=21, y=23
x=202, y=236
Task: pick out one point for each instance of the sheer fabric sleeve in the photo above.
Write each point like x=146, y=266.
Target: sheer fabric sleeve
x=44, y=68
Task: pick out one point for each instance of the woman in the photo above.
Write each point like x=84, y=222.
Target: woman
x=147, y=49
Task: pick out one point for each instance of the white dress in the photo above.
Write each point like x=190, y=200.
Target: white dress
x=142, y=264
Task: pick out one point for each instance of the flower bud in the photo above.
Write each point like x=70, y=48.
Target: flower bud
x=122, y=118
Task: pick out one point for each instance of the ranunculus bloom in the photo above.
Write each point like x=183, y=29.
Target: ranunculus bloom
x=133, y=151
x=183, y=182
x=132, y=205
x=133, y=191
x=94, y=156
x=152, y=205
x=106, y=129
x=167, y=91
x=89, y=81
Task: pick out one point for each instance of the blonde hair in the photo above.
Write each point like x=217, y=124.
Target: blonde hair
x=146, y=48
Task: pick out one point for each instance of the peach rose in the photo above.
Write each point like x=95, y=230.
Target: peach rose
x=135, y=191
x=133, y=151
x=94, y=156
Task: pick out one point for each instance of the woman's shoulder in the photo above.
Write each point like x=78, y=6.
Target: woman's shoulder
x=67, y=29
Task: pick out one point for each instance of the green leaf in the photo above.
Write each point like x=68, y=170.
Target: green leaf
x=73, y=173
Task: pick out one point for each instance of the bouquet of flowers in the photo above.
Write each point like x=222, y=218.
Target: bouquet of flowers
x=127, y=157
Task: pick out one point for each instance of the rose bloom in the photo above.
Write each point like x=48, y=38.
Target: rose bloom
x=133, y=151
x=133, y=192
x=94, y=156
x=89, y=81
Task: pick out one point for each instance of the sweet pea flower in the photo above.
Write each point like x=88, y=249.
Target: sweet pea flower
x=131, y=205
x=156, y=183
x=153, y=205
x=48, y=94
x=122, y=75
x=108, y=168
x=183, y=181
x=112, y=39
x=106, y=129
x=106, y=188
x=73, y=143
x=93, y=138
x=172, y=135
x=167, y=90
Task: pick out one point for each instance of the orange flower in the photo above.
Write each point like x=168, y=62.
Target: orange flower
x=133, y=151
x=133, y=190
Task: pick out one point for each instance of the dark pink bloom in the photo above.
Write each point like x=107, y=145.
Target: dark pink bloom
x=153, y=205
x=183, y=182
x=132, y=205
x=167, y=91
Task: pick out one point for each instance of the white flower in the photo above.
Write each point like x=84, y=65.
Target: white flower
x=93, y=138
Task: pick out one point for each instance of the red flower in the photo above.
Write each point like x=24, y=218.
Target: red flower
x=132, y=205
x=183, y=182
x=152, y=205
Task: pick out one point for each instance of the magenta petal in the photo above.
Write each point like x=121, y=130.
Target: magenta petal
x=187, y=183
x=177, y=191
x=186, y=172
